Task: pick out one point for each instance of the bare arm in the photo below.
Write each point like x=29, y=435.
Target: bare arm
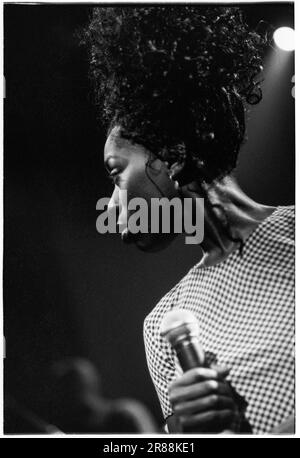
x=173, y=425
x=287, y=427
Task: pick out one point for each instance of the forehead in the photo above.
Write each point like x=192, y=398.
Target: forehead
x=121, y=147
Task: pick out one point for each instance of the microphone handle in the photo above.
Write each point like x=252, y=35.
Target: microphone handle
x=190, y=353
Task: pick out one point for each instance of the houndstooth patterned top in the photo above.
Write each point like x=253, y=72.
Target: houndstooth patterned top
x=245, y=309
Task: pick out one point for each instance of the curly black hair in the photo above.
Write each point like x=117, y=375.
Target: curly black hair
x=176, y=79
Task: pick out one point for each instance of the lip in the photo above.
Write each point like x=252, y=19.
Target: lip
x=127, y=236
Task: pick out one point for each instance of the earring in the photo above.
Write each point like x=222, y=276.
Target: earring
x=176, y=184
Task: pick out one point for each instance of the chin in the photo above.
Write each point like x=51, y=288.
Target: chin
x=152, y=243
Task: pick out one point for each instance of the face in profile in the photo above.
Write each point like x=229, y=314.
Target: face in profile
x=132, y=168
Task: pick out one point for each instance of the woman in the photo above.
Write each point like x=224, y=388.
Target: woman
x=173, y=83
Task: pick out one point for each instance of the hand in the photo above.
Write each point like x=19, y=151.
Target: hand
x=287, y=427
x=203, y=401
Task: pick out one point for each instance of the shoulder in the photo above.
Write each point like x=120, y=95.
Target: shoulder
x=167, y=302
x=272, y=245
x=153, y=319
x=281, y=225
x=278, y=230
x=284, y=214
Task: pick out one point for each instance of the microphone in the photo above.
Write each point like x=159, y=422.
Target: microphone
x=181, y=329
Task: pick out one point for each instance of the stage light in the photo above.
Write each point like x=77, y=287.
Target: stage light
x=284, y=38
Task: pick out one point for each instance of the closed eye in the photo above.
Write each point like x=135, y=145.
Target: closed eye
x=114, y=172
x=114, y=176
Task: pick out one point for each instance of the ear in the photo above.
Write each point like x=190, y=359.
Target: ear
x=184, y=172
x=176, y=169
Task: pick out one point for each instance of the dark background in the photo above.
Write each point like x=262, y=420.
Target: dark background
x=69, y=291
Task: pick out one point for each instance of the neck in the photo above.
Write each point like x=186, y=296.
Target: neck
x=230, y=216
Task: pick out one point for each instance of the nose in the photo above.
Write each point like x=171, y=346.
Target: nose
x=113, y=204
x=117, y=205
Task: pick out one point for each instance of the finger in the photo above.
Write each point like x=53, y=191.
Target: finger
x=195, y=375
x=198, y=390
x=223, y=371
x=211, y=402
x=212, y=421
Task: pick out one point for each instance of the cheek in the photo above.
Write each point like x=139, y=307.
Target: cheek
x=165, y=184
x=137, y=183
x=148, y=182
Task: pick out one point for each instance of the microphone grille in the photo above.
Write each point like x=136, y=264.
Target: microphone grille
x=178, y=321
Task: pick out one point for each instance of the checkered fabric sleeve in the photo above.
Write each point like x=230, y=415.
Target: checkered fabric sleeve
x=160, y=356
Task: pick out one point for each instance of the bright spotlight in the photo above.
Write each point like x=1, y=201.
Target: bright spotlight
x=284, y=38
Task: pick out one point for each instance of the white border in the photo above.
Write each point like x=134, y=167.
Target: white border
x=297, y=9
